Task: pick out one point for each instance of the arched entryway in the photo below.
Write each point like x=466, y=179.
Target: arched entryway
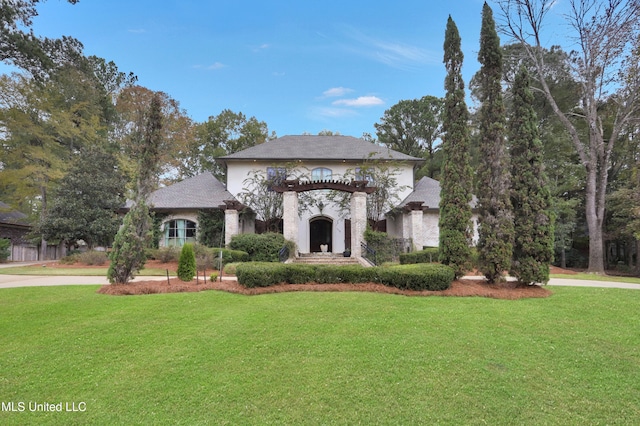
x=320, y=232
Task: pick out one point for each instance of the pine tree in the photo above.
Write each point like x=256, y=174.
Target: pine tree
x=127, y=256
x=455, y=207
x=530, y=196
x=495, y=218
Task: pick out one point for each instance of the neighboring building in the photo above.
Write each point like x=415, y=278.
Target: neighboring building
x=15, y=227
x=322, y=162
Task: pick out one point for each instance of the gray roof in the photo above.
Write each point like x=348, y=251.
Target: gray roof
x=427, y=191
x=199, y=192
x=307, y=147
x=12, y=217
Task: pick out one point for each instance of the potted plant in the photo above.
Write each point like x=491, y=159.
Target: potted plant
x=347, y=252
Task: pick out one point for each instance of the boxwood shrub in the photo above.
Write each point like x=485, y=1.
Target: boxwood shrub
x=410, y=277
x=427, y=255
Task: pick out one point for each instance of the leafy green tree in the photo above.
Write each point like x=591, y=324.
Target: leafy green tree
x=187, y=263
x=457, y=181
x=220, y=135
x=414, y=128
x=604, y=62
x=127, y=255
x=5, y=249
x=495, y=218
x=533, y=221
x=84, y=206
x=23, y=48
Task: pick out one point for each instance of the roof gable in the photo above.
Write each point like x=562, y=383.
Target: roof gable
x=12, y=217
x=199, y=192
x=308, y=147
x=427, y=191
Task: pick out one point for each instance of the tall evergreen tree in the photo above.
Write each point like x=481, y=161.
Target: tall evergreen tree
x=495, y=219
x=457, y=180
x=530, y=196
x=127, y=256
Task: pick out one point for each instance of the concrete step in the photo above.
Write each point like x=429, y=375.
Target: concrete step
x=325, y=259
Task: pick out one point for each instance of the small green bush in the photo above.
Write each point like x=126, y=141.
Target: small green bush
x=259, y=247
x=69, y=259
x=92, y=257
x=187, y=263
x=5, y=247
x=261, y=274
x=428, y=255
x=213, y=277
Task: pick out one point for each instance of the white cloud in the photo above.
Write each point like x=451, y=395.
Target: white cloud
x=362, y=101
x=336, y=92
x=212, y=67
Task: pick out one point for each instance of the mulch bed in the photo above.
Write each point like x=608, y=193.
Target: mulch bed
x=461, y=288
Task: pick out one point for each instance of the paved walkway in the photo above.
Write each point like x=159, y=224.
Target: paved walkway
x=7, y=281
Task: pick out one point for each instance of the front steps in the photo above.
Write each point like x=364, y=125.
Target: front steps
x=325, y=259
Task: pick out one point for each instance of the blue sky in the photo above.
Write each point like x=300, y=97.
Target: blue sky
x=300, y=66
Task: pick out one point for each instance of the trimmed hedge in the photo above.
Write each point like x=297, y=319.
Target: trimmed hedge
x=408, y=277
x=427, y=255
x=260, y=247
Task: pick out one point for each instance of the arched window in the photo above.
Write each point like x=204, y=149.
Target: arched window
x=178, y=232
x=321, y=173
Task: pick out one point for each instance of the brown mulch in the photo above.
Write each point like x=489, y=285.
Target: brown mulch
x=461, y=288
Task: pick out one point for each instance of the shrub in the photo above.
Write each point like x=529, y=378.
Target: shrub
x=187, y=263
x=92, y=257
x=230, y=268
x=426, y=276
x=5, y=247
x=428, y=255
x=165, y=254
x=228, y=256
x=259, y=247
x=69, y=259
x=409, y=277
x=213, y=277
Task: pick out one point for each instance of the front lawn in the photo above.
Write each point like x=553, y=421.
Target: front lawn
x=320, y=358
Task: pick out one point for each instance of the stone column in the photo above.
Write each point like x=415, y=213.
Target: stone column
x=231, y=225
x=415, y=222
x=358, y=221
x=290, y=216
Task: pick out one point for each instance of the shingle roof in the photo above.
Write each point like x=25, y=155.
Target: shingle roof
x=199, y=192
x=12, y=217
x=307, y=147
x=427, y=191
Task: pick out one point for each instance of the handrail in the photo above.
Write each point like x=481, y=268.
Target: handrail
x=369, y=254
x=283, y=254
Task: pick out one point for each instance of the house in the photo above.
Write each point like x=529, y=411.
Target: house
x=14, y=226
x=310, y=171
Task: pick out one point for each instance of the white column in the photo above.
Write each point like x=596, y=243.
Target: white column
x=358, y=221
x=415, y=221
x=290, y=216
x=231, y=225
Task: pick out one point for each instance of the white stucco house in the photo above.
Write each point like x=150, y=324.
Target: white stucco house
x=315, y=166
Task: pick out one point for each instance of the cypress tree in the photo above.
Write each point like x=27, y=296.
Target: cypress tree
x=187, y=263
x=495, y=218
x=456, y=182
x=127, y=255
x=530, y=195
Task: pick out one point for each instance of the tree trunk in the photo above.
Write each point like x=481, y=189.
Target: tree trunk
x=563, y=258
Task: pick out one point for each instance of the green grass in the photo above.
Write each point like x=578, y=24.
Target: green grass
x=594, y=277
x=321, y=358
x=92, y=272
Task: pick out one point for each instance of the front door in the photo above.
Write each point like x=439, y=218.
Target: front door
x=320, y=232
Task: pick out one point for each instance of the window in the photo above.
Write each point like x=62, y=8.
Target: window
x=364, y=175
x=275, y=175
x=178, y=232
x=320, y=173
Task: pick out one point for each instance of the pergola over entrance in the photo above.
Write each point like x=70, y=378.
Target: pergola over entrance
x=358, y=190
